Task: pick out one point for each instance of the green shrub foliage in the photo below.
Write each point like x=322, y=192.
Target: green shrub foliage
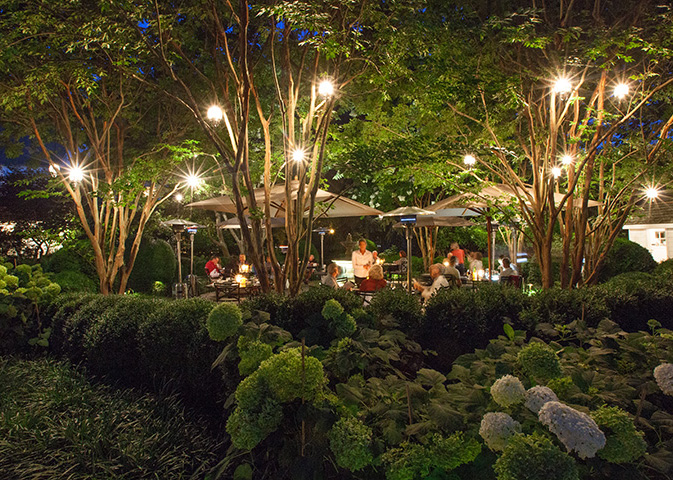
x=534, y=457
x=624, y=443
x=412, y=460
x=539, y=360
x=280, y=379
x=626, y=256
x=223, y=321
x=397, y=304
x=155, y=262
x=252, y=354
x=24, y=290
x=350, y=442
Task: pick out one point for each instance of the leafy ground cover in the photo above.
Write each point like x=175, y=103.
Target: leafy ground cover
x=56, y=424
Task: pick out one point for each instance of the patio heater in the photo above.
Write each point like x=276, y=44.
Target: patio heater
x=407, y=216
x=322, y=231
x=193, y=285
x=179, y=226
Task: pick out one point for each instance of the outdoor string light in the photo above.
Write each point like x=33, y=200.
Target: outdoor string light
x=556, y=172
x=469, y=160
x=179, y=197
x=54, y=169
x=567, y=160
x=326, y=88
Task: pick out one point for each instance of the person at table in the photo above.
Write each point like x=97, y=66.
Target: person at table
x=242, y=266
x=362, y=259
x=330, y=279
x=507, y=270
x=459, y=253
x=375, y=257
x=311, y=265
x=438, y=281
x=451, y=272
x=375, y=281
x=402, y=261
x=213, y=267
x=476, y=263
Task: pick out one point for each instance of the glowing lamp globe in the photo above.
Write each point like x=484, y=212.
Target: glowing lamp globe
x=326, y=88
x=562, y=86
x=193, y=181
x=556, y=172
x=652, y=193
x=298, y=155
x=567, y=160
x=76, y=174
x=469, y=160
x=621, y=90
x=215, y=114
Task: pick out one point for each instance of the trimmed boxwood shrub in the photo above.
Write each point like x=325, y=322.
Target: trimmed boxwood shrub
x=76, y=326
x=664, y=269
x=279, y=307
x=632, y=302
x=111, y=343
x=155, y=262
x=58, y=312
x=562, y=306
x=459, y=320
x=176, y=352
x=73, y=281
x=397, y=304
x=626, y=256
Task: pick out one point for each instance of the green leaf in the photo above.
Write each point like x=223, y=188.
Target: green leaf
x=509, y=331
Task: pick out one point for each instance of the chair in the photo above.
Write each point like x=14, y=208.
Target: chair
x=512, y=280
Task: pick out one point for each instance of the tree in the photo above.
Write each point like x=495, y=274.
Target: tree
x=65, y=79
x=274, y=55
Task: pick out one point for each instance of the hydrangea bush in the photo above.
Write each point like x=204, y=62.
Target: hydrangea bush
x=497, y=428
x=507, y=391
x=575, y=429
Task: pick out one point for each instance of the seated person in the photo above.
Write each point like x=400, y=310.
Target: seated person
x=330, y=279
x=213, y=267
x=452, y=271
x=476, y=263
x=375, y=256
x=438, y=281
x=402, y=261
x=375, y=281
x=311, y=265
x=507, y=270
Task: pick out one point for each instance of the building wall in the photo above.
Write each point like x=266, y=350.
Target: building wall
x=645, y=237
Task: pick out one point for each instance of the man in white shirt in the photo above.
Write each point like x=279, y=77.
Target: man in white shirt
x=438, y=281
x=507, y=270
x=450, y=270
x=362, y=259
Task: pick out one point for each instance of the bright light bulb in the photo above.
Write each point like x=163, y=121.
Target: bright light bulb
x=567, y=160
x=621, y=91
x=215, y=114
x=179, y=197
x=652, y=193
x=469, y=160
x=556, y=172
x=76, y=174
x=331, y=231
x=326, y=88
x=193, y=181
x=562, y=85
x=298, y=155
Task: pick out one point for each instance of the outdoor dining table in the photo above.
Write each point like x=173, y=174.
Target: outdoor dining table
x=229, y=288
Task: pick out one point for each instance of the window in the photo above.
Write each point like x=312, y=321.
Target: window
x=659, y=237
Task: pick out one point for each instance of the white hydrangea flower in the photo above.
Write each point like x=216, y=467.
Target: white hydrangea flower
x=497, y=428
x=663, y=374
x=537, y=396
x=508, y=390
x=576, y=430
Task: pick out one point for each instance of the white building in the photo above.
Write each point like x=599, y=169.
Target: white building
x=652, y=227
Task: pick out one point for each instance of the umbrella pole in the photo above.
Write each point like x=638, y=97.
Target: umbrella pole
x=192, y=279
x=409, y=262
x=179, y=235
x=489, y=231
x=322, y=251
